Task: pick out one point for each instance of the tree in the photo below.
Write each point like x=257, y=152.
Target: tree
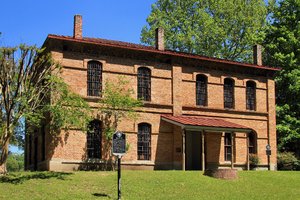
x=28, y=76
x=283, y=50
x=117, y=103
x=217, y=28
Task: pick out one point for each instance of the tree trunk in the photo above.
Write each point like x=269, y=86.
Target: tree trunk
x=4, y=151
x=3, y=158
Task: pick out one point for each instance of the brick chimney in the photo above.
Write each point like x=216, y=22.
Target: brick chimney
x=257, y=59
x=159, y=39
x=77, y=32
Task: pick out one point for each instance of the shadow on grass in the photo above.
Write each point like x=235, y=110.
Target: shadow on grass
x=101, y=195
x=20, y=178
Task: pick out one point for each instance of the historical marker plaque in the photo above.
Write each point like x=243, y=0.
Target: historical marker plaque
x=268, y=150
x=119, y=144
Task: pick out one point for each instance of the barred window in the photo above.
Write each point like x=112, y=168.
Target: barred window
x=144, y=141
x=94, y=139
x=94, y=78
x=227, y=147
x=201, y=90
x=251, y=95
x=252, y=143
x=228, y=93
x=144, y=84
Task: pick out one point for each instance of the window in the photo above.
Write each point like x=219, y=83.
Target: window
x=252, y=143
x=251, y=95
x=228, y=147
x=94, y=139
x=94, y=78
x=228, y=93
x=144, y=141
x=201, y=90
x=144, y=84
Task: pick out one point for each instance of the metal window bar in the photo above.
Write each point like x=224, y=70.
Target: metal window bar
x=144, y=142
x=94, y=140
x=144, y=84
x=201, y=91
x=94, y=78
x=228, y=94
x=251, y=96
x=227, y=147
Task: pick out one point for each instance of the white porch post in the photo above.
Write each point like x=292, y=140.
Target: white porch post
x=203, y=149
x=232, y=150
x=248, y=162
x=183, y=148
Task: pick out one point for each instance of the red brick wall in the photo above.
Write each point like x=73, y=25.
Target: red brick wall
x=172, y=92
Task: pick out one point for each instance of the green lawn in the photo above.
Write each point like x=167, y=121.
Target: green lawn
x=150, y=185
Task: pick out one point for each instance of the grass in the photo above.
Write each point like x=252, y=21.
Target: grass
x=150, y=185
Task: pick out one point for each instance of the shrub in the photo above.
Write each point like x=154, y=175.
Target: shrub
x=15, y=162
x=254, y=160
x=287, y=161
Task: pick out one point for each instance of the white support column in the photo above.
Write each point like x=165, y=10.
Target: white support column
x=232, y=150
x=203, y=150
x=183, y=149
x=248, y=162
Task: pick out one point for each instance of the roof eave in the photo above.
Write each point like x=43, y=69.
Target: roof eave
x=166, y=52
x=206, y=128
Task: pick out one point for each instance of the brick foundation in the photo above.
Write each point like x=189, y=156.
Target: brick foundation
x=228, y=174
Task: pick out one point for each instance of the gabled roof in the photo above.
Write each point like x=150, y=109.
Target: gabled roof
x=150, y=49
x=201, y=123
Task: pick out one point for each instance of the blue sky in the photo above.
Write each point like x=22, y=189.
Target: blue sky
x=30, y=21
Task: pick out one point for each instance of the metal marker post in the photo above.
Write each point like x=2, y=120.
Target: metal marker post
x=119, y=149
x=119, y=177
x=268, y=152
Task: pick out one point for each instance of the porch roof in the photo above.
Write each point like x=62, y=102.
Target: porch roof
x=201, y=123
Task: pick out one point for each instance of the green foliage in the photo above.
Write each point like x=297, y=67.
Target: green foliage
x=287, y=161
x=67, y=109
x=117, y=103
x=222, y=29
x=31, y=92
x=254, y=160
x=283, y=50
x=15, y=162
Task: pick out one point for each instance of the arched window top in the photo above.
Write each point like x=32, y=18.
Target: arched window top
x=228, y=81
x=144, y=83
x=144, y=124
x=94, y=62
x=144, y=70
x=94, y=78
x=201, y=77
x=95, y=121
x=251, y=84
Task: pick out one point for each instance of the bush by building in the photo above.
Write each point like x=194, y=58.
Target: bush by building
x=287, y=161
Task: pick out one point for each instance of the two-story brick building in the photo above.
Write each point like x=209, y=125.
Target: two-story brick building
x=199, y=112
